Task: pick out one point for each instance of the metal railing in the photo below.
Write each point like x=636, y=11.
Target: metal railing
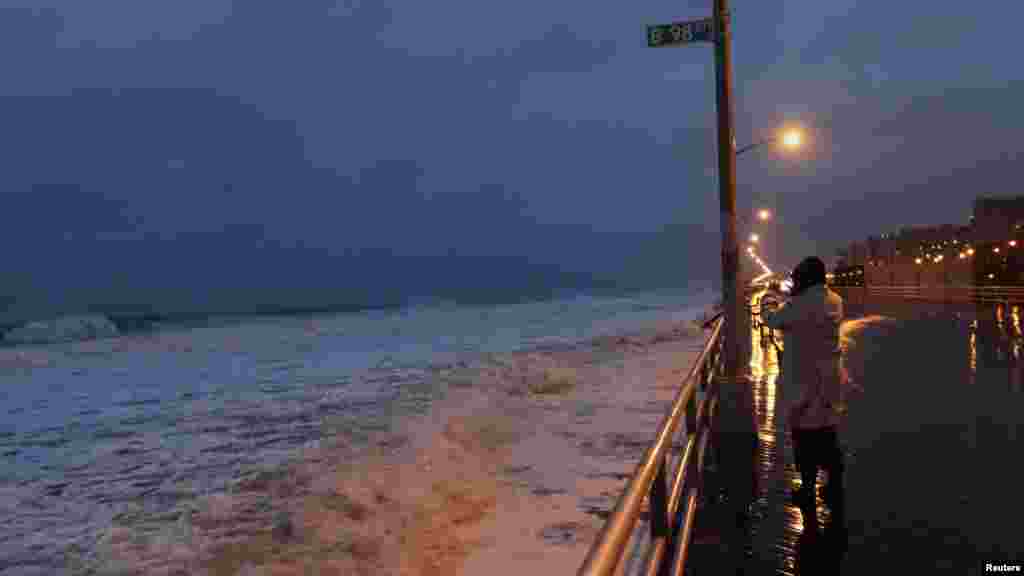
x=670, y=524
x=947, y=294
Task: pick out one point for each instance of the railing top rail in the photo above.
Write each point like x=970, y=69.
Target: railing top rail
x=606, y=553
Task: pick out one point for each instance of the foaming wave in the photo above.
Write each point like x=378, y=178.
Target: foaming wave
x=409, y=504
x=849, y=329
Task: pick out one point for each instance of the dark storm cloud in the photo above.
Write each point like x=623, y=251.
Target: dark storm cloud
x=197, y=200
x=366, y=150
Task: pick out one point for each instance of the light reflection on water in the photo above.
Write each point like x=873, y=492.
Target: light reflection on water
x=764, y=369
x=973, y=355
x=995, y=342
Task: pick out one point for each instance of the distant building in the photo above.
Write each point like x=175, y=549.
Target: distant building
x=997, y=219
x=857, y=254
x=881, y=250
x=997, y=237
x=925, y=255
x=847, y=276
x=927, y=243
x=990, y=250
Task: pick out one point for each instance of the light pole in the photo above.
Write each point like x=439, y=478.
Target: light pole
x=735, y=437
x=736, y=434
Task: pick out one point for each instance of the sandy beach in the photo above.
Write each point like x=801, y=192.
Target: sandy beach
x=514, y=469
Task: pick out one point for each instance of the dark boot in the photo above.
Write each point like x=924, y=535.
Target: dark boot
x=803, y=452
x=835, y=493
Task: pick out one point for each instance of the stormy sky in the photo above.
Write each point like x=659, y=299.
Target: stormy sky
x=212, y=154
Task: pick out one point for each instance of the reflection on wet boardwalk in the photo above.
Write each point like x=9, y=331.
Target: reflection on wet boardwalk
x=933, y=462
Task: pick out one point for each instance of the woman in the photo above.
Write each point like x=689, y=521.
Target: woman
x=812, y=364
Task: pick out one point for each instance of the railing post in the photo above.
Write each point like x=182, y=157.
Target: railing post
x=659, y=503
x=691, y=415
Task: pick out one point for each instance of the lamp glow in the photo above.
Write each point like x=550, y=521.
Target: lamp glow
x=792, y=138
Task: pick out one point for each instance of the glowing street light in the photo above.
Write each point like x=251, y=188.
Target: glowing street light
x=996, y=249
x=917, y=260
x=792, y=138
x=970, y=251
x=1013, y=243
x=754, y=238
x=764, y=215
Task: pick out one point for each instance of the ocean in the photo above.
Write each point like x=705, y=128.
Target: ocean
x=141, y=421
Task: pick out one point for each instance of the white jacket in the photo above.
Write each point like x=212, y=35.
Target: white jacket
x=812, y=358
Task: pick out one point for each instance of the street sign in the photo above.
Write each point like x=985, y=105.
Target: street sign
x=679, y=33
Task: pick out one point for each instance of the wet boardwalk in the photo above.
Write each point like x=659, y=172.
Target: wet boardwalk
x=934, y=466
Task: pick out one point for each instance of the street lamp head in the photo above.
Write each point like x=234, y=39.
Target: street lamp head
x=764, y=215
x=792, y=138
x=754, y=238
